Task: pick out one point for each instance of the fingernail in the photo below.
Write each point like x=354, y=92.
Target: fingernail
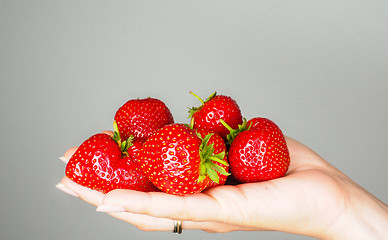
x=110, y=209
x=63, y=159
x=62, y=187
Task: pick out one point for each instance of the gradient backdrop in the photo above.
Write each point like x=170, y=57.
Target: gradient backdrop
x=317, y=68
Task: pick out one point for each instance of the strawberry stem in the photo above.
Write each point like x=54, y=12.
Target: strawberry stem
x=200, y=99
x=191, y=123
x=116, y=134
x=226, y=125
x=208, y=159
x=215, y=159
x=234, y=132
x=124, y=145
x=193, y=110
x=211, y=96
x=116, y=128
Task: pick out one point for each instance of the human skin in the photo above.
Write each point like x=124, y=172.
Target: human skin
x=313, y=199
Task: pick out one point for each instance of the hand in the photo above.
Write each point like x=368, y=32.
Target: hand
x=313, y=199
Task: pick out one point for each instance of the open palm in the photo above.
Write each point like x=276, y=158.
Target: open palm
x=311, y=199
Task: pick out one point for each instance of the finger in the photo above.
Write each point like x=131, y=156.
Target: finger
x=198, y=207
x=91, y=196
x=233, y=205
x=145, y=222
x=149, y=223
x=67, y=155
x=110, y=133
x=63, y=159
x=64, y=189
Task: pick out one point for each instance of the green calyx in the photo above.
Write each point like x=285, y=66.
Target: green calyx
x=234, y=132
x=193, y=110
x=124, y=145
x=208, y=167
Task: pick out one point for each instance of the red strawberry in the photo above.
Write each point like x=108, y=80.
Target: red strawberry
x=263, y=123
x=142, y=117
x=178, y=162
x=135, y=147
x=258, y=153
x=100, y=164
x=219, y=147
x=216, y=107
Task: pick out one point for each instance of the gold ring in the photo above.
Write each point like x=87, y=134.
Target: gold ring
x=177, y=227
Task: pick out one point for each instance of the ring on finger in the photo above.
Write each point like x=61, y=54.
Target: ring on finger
x=177, y=227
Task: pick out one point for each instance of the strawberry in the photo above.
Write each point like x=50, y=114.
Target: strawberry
x=219, y=147
x=135, y=146
x=263, y=123
x=178, y=162
x=101, y=164
x=216, y=107
x=142, y=117
x=258, y=151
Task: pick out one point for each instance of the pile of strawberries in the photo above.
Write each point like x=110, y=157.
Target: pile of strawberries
x=149, y=152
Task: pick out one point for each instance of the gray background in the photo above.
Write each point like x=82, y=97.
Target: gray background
x=317, y=68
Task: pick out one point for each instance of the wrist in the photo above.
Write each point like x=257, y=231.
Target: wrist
x=366, y=217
